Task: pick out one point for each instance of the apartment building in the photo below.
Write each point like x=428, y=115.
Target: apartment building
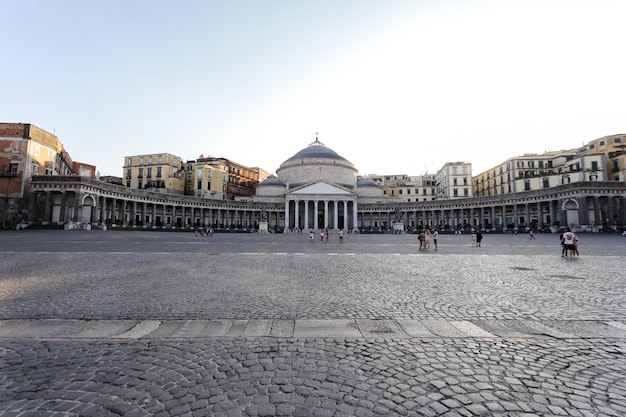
x=614, y=149
x=454, y=181
x=531, y=172
x=26, y=150
x=206, y=178
x=160, y=171
x=84, y=170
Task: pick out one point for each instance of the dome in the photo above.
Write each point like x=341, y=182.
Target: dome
x=316, y=150
x=271, y=181
x=366, y=182
x=317, y=163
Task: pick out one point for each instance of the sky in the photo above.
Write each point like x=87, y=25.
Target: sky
x=394, y=86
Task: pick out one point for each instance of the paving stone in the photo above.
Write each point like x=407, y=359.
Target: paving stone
x=267, y=325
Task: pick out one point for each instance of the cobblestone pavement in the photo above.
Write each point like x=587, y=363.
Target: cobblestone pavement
x=170, y=324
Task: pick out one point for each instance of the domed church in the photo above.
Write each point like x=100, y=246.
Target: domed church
x=319, y=188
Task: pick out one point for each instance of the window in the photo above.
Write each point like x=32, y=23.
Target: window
x=199, y=184
x=546, y=183
x=13, y=169
x=140, y=174
x=158, y=172
x=466, y=192
x=527, y=185
x=540, y=164
x=140, y=186
x=618, y=140
x=565, y=179
x=454, y=182
x=455, y=192
x=150, y=160
x=149, y=173
x=129, y=162
x=594, y=165
x=128, y=173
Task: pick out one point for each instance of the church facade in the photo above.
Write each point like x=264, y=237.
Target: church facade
x=317, y=188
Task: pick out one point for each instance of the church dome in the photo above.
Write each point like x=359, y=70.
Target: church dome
x=317, y=163
x=316, y=150
x=271, y=181
x=366, y=182
x=367, y=187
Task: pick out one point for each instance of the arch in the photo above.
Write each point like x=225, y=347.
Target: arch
x=88, y=204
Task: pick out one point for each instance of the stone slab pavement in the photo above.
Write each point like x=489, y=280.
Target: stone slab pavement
x=171, y=324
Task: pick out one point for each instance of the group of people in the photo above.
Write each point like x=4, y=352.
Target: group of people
x=569, y=244
x=426, y=237
x=207, y=231
x=324, y=234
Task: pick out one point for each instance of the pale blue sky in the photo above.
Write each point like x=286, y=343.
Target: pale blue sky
x=396, y=87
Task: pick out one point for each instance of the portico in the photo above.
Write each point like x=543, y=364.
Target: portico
x=320, y=206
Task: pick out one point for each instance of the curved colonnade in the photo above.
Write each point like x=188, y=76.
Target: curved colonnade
x=83, y=203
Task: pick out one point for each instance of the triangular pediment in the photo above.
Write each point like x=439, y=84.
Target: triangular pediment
x=320, y=188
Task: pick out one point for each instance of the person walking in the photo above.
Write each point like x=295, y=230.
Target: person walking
x=532, y=235
x=311, y=235
x=435, y=236
x=341, y=236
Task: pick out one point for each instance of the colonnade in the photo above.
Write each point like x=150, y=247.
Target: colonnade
x=321, y=214
x=59, y=200
x=593, y=211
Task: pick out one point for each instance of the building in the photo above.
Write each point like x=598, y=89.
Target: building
x=84, y=170
x=406, y=188
x=160, y=171
x=25, y=151
x=454, y=180
x=317, y=189
x=614, y=149
x=241, y=180
x=206, y=178
x=532, y=172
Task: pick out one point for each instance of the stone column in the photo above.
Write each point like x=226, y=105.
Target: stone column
x=346, y=223
x=123, y=212
x=597, y=213
x=133, y=213
x=325, y=214
x=355, y=219
x=315, y=214
x=286, y=229
x=296, y=205
x=306, y=214
x=63, y=205
x=610, y=213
